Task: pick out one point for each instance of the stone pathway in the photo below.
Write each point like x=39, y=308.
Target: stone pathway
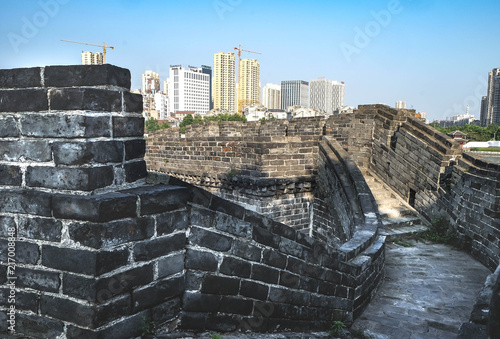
x=428, y=292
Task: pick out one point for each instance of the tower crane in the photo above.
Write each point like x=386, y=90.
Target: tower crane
x=104, y=46
x=239, y=73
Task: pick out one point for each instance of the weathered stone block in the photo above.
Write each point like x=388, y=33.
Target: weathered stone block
x=111, y=233
x=27, y=253
x=96, y=127
x=132, y=102
x=192, y=320
x=67, y=310
x=125, y=281
x=265, y=237
x=20, y=77
x=198, y=260
x=223, y=323
x=235, y=267
x=38, y=279
x=7, y=225
x=83, y=261
x=135, y=149
x=85, y=179
x=83, y=288
x=169, y=222
x=82, y=153
x=25, y=150
x=15, y=100
x=233, y=225
x=209, y=239
x=128, y=127
x=26, y=202
x=254, y=290
x=10, y=175
x=119, y=307
x=265, y=274
x=53, y=125
x=220, y=285
x=274, y=258
x=171, y=265
x=135, y=170
x=160, y=198
x=40, y=228
x=245, y=250
x=38, y=327
x=8, y=127
x=86, y=75
x=98, y=208
x=197, y=302
x=89, y=99
x=149, y=249
x=158, y=293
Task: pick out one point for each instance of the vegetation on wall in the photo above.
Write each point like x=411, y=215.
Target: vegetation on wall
x=153, y=125
x=190, y=119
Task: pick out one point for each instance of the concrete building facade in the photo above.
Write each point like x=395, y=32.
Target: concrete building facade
x=224, y=82
x=327, y=95
x=248, y=87
x=150, y=82
x=493, y=98
x=294, y=92
x=271, y=96
x=189, y=90
x=89, y=58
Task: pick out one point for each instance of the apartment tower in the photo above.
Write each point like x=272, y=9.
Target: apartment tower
x=491, y=112
x=294, y=92
x=271, y=96
x=188, y=89
x=224, y=82
x=248, y=87
x=150, y=82
x=89, y=58
x=327, y=95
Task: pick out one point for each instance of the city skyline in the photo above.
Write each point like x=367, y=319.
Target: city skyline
x=434, y=56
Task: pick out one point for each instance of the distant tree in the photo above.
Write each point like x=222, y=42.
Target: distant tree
x=474, y=132
x=152, y=125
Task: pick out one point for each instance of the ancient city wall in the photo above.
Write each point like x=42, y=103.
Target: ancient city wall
x=90, y=249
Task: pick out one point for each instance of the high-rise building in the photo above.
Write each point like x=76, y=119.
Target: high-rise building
x=188, y=90
x=484, y=111
x=492, y=113
x=224, y=82
x=248, y=87
x=327, y=95
x=150, y=82
x=294, y=92
x=401, y=104
x=208, y=70
x=271, y=96
x=89, y=58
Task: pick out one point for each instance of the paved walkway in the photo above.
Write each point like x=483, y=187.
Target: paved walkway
x=428, y=292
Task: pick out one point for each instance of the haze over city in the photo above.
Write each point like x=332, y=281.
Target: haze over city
x=434, y=55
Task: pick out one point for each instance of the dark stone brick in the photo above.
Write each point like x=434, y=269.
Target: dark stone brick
x=82, y=153
x=96, y=127
x=27, y=253
x=265, y=237
x=235, y=267
x=26, y=202
x=98, y=208
x=132, y=102
x=296, y=266
x=236, y=305
x=289, y=280
x=254, y=290
x=274, y=258
x=38, y=279
x=291, y=247
x=123, y=282
x=265, y=274
x=135, y=149
x=3, y=274
x=8, y=127
x=309, y=284
x=166, y=311
x=111, y=233
x=53, y=126
x=160, y=198
x=202, y=217
x=193, y=279
x=193, y=321
x=85, y=179
x=171, y=265
x=119, y=307
x=80, y=287
x=198, y=196
x=40, y=228
x=15, y=100
x=7, y=225
x=20, y=77
x=246, y=251
x=198, y=260
x=233, y=225
x=89, y=99
x=10, y=175
x=38, y=327
x=283, y=230
x=222, y=323
x=31, y=150
x=225, y=206
x=86, y=75
x=208, y=239
x=128, y=127
x=147, y=250
x=220, y=285
x=83, y=261
x=326, y=288
x=171, y=221
x=127, y=327
x=198, y=302
x=135, y=170
x=67, y=310
x=25, y=301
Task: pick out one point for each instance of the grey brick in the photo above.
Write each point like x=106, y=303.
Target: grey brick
x=10, y=175
x=53, y=126
x=149, y=249
x=198, y=260
x=38, y=279
x=85, y=179
x=235, y=267
x=26, y=202
x=86, y=75
x=20, y=77
x=159, y=292
x=25, y=150
x=8, y=127
x=40, y=228
x=171, y=265
x=15, y=100
x=89, y=99
x=128, y=126
x=208, y=239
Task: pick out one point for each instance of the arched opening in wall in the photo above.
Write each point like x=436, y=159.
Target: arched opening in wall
x=394, y=140
x=411, y=198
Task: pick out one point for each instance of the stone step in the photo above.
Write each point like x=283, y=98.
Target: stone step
x=394, y=212
x=388, y=203
x=380, y=193
x=404, y=232
x=404, y=221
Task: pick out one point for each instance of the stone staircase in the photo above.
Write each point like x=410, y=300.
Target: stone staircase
x=401, y=221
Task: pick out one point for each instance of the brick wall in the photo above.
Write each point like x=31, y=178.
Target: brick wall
x=96, y=249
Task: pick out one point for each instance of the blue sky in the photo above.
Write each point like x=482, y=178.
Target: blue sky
x=435, y=55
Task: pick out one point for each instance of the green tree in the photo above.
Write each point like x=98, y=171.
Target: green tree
x=152, y=125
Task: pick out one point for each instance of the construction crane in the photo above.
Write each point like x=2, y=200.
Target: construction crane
x=240, y=108
x=103, y=47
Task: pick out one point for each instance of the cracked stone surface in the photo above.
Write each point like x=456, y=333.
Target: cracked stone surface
x=428, y=291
